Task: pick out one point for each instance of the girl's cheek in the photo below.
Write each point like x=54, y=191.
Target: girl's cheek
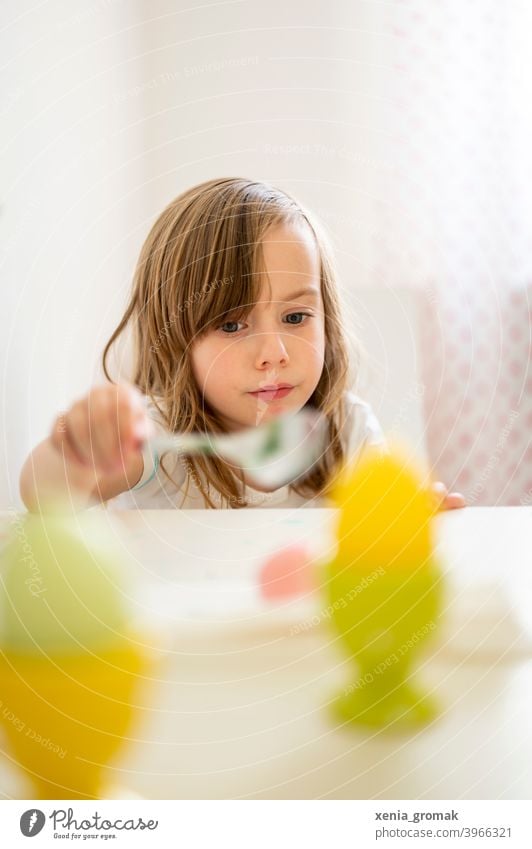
x=316, y=341
x=222, y=355
x=222, y=364
x=205, y=363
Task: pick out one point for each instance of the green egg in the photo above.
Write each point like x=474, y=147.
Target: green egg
x=63, y=585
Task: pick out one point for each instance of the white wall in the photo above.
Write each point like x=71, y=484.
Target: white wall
x=113, y=109
x=70, y=204
x=285, y=93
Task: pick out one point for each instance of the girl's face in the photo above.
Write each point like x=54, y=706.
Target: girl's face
x=239, y=366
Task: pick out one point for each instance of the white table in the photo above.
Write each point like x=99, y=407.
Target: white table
x=240, y=707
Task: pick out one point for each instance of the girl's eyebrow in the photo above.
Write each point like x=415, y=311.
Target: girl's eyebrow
x=309, y=290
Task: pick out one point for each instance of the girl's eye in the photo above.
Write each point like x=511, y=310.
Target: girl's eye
x=293, y=318
x=230, y=326
x=297, y=315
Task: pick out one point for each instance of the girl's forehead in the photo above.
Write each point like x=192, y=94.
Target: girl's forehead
x=290, y=262
x=277, y=288
x=290, y=248
x=286, y=269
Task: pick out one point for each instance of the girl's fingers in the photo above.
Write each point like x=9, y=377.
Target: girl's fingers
x=77, y=432
x=123, y=425
x=142, y=430
x=447, y=500
x=60, y=441
x=130, y=423
x=102, y=433
x=100, y=430
x=65, y=442
x=454, y=500
x=110, y=417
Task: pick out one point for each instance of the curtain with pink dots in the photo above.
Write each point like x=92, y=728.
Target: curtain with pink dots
x=454, y=220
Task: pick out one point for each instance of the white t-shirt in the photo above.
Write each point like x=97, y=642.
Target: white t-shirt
x=154, y=491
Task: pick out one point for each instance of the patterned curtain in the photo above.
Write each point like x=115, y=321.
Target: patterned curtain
x=454, y=220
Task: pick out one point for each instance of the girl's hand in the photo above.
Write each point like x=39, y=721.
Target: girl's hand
x=101, y=430
x=446, y=500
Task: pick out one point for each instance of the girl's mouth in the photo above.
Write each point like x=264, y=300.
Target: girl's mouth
x=272, y=393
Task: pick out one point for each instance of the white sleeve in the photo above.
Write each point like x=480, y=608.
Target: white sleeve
x=363, y=428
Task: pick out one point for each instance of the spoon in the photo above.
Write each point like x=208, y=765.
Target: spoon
x=274, y=453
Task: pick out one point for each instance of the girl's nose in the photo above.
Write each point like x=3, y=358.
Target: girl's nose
x=271, y=350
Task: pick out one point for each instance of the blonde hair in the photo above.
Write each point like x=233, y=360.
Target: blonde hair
x=199, y=262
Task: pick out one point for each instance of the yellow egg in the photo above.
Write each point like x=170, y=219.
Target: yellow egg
x=385, y=512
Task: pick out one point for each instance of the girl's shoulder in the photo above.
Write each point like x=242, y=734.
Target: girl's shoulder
x=362, y=428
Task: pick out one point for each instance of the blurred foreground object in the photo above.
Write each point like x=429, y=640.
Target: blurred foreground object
x=70, y=660
x=384, y=588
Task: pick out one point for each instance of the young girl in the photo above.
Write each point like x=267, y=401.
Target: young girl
x=235, y=318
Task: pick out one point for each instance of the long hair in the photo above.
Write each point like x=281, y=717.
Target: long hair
x=201, y=260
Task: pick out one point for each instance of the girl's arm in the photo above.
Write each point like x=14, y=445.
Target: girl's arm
x=93, y=452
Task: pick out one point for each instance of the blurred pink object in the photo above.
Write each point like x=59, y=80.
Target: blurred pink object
x=287, y=573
